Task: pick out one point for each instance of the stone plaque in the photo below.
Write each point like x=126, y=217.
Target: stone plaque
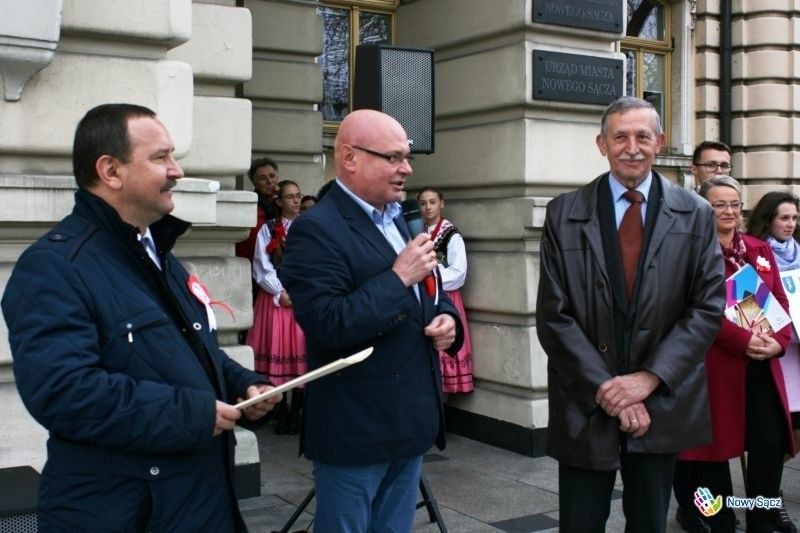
x=576, y=78
x=602, y=15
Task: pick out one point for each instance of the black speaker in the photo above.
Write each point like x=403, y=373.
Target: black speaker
x=399, y=82
x=19, y=491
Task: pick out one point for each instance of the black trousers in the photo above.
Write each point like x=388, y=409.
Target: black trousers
x=584, y=496
x=766, y=442
x=716, y=477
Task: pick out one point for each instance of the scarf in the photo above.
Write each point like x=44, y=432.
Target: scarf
x=787, y=254
x=735, y=253
x=279, y=227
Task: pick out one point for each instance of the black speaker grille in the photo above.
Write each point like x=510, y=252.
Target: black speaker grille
x=19, y=523
x=407, y=77
x=400, y=82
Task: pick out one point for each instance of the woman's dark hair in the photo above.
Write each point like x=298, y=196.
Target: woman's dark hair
x=437, y=192
x=765, y=212
x=103, y=131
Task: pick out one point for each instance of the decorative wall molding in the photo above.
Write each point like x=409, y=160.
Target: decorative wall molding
x=29, y=34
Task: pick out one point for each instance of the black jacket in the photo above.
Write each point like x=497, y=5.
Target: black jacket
x=118, y=362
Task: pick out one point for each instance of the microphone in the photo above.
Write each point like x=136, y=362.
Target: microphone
x=413, y=218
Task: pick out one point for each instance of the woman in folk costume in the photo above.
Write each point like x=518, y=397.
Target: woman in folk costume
x=278, y=342
x=449, y=246
x=746, y=393
x=774, y=220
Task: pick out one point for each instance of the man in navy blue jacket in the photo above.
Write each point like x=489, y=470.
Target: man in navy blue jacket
x=354, y=280
x=115, y=348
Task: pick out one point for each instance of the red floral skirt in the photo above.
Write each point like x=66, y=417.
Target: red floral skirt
x=457, y=371
x=278, y=343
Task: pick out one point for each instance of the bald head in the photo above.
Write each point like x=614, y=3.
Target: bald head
x=361, y=126
x=371, y=151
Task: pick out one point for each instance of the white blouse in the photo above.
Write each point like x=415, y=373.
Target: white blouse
x=264, y=272
x=453, y=276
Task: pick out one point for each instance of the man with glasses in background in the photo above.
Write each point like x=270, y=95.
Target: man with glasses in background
x=710, y=158
x=353, y=273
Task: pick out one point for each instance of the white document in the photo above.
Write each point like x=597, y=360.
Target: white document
x=310, y=376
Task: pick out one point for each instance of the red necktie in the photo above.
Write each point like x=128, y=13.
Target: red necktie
x=630, y=235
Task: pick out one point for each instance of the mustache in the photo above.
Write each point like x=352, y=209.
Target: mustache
x=171, y=183
x=636, y=157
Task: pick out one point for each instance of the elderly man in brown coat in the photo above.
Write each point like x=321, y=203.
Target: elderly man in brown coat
x=630, y=297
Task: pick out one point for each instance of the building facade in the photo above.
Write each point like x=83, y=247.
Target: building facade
x=519, y=89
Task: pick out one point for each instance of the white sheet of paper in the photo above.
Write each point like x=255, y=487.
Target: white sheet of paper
x=310, y=376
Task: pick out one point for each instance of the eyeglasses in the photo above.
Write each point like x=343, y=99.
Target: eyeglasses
x=393, y=159
x=712, y=166
x=723, y=206
x=297, y=196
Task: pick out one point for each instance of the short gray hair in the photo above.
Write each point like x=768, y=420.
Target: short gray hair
x=623, y=104
x=719, y=181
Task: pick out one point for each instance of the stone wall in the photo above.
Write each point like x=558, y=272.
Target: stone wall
x=499, y=155
x=286, y=87
x=232, y=82
x=181, y=59
x=764, y=94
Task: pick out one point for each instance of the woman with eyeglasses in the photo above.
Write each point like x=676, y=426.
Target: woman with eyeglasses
x=452, y=257
x=278, y=343
x=774, y=220
x=746, y=394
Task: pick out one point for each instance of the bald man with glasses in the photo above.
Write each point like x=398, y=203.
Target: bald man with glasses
x=353, y=273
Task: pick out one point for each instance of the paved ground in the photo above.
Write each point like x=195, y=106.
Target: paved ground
x=479, y=488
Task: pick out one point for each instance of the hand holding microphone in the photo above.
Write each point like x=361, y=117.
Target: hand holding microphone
x=415, y=261
x=413, y=218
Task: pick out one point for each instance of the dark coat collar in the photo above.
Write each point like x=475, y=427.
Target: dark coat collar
x=672, y=198
x=165, y=232
x=358, y=219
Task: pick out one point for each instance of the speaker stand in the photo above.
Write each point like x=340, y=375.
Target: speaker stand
x=428, y=501
x=298, y=511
